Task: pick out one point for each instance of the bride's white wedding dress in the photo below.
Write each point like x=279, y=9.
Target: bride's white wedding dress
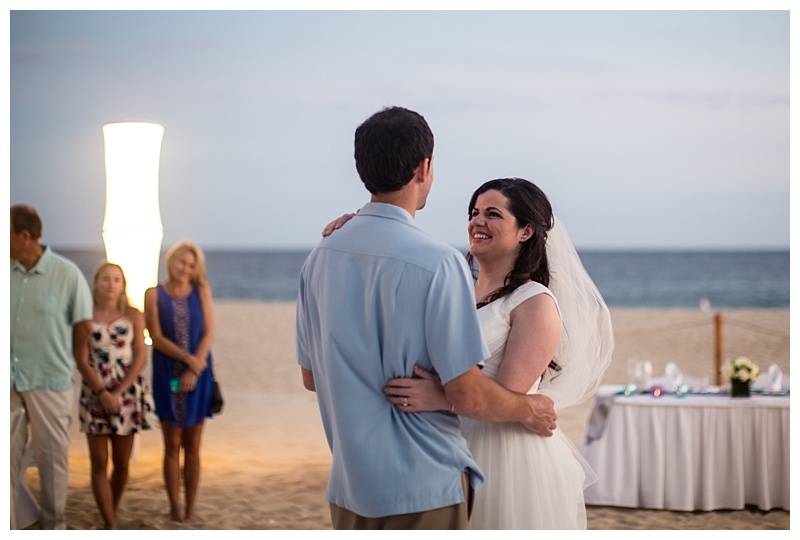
x=532, y=482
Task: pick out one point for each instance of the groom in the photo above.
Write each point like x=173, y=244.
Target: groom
x=376, y=298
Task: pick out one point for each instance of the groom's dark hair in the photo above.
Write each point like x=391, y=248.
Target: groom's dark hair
x=389, y=146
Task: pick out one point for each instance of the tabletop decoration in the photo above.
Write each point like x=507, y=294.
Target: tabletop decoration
x=627, y=389
x=741, y=371
x=682, y=390
x=657, y=391
x=640, y=373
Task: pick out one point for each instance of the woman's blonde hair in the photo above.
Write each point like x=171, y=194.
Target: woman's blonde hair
x=199, y=278
x=123, y=303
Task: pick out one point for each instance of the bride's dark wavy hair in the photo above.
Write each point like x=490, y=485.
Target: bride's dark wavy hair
x=530, y=206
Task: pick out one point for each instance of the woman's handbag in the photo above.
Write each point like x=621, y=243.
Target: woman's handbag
x=216, y=399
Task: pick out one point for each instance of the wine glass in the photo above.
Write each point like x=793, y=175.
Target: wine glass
x=634, y=370
x=647, y=374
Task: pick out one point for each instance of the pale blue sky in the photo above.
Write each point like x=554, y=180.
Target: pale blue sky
x=652, y=129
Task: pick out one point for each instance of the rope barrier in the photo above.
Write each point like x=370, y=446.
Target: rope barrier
x=718, y=321
x=757, y=328
x=667, y=328
x=704, y=322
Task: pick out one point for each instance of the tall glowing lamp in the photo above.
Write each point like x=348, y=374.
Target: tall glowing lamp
x=132, y=228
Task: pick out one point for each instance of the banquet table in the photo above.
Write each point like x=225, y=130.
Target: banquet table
x=693, y=452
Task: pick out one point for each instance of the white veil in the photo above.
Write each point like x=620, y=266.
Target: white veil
x=587, y=340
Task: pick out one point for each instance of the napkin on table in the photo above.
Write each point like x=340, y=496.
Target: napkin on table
x=774, y=378
x=673, y=374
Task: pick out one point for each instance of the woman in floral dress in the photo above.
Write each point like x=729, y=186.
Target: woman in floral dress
x=115, y=403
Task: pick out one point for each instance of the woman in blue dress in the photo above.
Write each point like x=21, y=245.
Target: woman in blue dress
x=180, y=319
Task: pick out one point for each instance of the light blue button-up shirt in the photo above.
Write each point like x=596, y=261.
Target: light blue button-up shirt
x=377, y=297
x=45, y=303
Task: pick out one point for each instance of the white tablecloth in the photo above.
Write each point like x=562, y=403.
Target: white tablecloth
x=699, y=452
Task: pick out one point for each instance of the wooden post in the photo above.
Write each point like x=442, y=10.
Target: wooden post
x=719, y=347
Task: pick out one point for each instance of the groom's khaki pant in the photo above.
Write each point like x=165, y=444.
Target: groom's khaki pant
x=455, y=517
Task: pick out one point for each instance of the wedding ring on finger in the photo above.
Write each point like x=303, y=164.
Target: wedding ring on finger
x=405, y=402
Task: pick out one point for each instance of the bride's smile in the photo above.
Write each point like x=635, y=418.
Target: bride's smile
x=493, y=229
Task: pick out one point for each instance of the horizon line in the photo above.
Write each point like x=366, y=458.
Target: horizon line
x=463, y=248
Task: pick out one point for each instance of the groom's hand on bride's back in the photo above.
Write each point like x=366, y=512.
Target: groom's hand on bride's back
x=542, y=419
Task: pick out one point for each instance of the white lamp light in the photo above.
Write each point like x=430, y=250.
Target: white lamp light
x=132, y=229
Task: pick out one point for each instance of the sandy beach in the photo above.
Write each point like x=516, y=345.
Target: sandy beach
x=265, y=459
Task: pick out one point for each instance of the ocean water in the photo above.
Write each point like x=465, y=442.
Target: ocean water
x=660, y=279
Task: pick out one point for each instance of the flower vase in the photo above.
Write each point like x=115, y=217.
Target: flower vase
x=740, y=388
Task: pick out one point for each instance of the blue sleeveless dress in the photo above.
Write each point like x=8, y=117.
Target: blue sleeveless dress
x=181, y=322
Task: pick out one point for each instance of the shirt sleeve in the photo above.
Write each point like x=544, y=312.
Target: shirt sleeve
x=301, y=326
x=82, y=302
x=453, y=333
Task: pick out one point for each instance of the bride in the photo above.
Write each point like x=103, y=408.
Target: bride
x=549, y=331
